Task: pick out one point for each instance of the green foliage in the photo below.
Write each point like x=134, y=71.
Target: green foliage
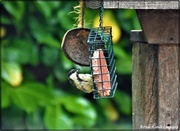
x=124, y=102
x=83, y=115
x=123, y=61
x=20, y=51
x=129, y=21
x=55, y=118
x=12, y=9
x=35, y=91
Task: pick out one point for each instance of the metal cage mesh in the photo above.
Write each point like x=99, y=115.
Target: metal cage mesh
x=102, y=62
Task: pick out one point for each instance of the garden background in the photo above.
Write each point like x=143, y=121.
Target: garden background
x=35, y=91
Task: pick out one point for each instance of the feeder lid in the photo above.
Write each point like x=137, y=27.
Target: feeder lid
x=75, y=46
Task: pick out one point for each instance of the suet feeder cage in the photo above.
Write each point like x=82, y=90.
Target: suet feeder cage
x=102, y=62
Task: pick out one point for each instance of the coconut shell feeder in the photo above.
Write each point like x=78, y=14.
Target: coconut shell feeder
x=74, y=43
x=75, y=46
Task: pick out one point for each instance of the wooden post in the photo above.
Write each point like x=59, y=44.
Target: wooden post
x=155, y=84
x=144, y=83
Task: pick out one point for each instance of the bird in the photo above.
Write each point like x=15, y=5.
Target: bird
x=82, y=82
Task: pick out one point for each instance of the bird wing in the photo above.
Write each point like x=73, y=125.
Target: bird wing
x=85, y=77
x=86, y=84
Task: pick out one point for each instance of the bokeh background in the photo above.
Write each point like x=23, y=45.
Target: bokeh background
x=35, y=91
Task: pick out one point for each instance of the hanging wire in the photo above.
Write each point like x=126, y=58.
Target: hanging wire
x=101, y=14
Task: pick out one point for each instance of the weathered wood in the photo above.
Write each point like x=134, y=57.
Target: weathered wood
x=156, y=86
x=160, y=26
x=135, y=4
x=144, y=85
x=168, y=85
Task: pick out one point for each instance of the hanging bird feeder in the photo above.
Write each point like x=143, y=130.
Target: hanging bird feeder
x=102, y=62
x=74, y=43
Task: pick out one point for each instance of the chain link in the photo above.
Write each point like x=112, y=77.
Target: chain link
x=101, y=14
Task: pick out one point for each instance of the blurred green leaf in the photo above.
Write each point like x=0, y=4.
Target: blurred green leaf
x=102, y=104
x=136, y=24
x=88, y=18
x=119, y=52
x=128, y=14
x=84, y=113
x=124, y=65
x=128, y=20
x=5, y=95
x=50, y=55
x=20, y=51
x=66, y=22
x=67, y=63
x=24, y=101
x=50, y=81
x=15, y=8
x=49, y=40
x=34, y=120
x=5, y=20
x=59, y=72
x=30, y=95
x=55, y=118
x=123, y=101
x=44, y=8
x=41, y=34
x=11, y=73
x=47, y=7
x=12, y=118
x=123, y=61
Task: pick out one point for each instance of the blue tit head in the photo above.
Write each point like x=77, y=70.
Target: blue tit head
x=73, y=72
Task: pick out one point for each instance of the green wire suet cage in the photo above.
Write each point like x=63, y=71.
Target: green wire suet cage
x=102, y=62
x=100, y=39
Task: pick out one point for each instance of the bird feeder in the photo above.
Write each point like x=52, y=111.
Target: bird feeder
x=102, y=62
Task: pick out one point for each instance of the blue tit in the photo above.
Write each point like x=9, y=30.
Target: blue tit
x=81, y=81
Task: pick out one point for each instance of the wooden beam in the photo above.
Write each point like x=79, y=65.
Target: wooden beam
x=160, y=26
x=134, y=4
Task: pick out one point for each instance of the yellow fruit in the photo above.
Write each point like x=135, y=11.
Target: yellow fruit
x=112, y=112
x=3, y=32
x=12, y=73
x=109, y=20
x=16, y=78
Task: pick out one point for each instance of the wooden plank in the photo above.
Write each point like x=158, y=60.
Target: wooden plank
x=135, y=4
x=169, y=85
x=144, y=85
x=140, y=4
x=160, y=26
